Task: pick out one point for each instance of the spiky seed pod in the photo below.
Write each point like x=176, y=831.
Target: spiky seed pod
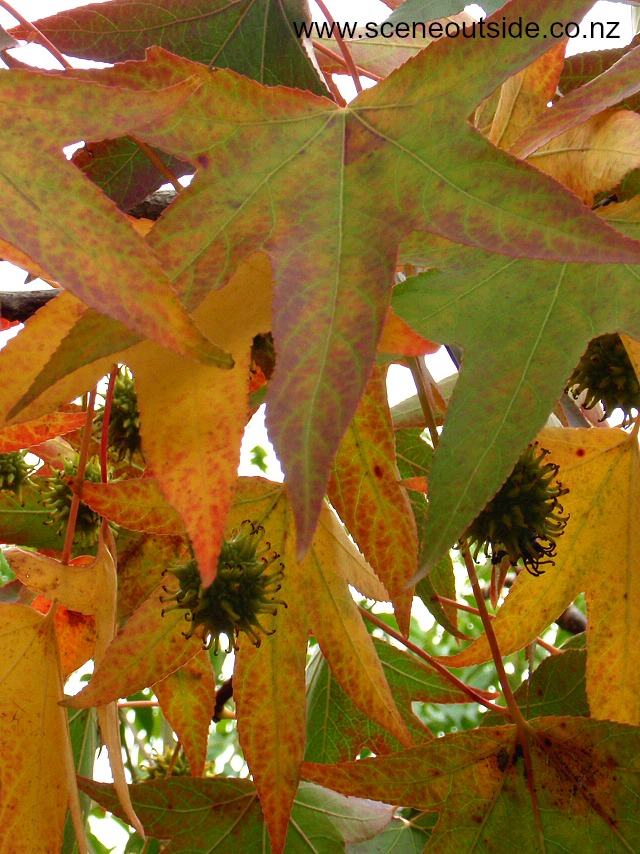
x=14, y=472
x=124, y=420
x=605, y=374
x=157, y=767
x=244, y=589
x=57, y=496
x=523, y=520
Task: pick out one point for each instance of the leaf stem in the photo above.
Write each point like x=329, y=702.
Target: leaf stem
x=79, y=478
x=474, y=695
x=106, y=418
x=340, y=59
x=39, y=36
x=471, y=610
x=157, y=161
x=512, y=705
x=417, y=368
x=348, y=59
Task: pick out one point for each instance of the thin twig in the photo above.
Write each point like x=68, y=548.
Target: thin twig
x=331, y=86
x=106, y=418
x=78, y=479
x=138, y=704
x=440, y=668
x=344, y=50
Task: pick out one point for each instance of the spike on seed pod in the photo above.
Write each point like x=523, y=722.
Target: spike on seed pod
x=124, y=420
x=605, y=373
x=57, y=496
x=244, y=589
x=14, y=472
x=523, y=520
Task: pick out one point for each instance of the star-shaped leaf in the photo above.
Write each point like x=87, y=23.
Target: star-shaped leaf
x=332, y=253
x=585, y=785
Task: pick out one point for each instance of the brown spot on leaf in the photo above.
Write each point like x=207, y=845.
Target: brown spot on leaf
x=580, y=452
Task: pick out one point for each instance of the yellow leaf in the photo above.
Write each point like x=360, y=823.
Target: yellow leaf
x=36, y=764
x=25, y=355
x=597, y=555
x=193, y=415
x=595, y=155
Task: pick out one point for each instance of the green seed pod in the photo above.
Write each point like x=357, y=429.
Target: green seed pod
x=523, y=520
x=124, y=420
x=157, y=767
x=14, y=472
x=245, y=586
x=57, y=496
x=605, y=374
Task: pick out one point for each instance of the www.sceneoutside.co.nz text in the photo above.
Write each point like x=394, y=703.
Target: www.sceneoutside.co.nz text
x=482, y=29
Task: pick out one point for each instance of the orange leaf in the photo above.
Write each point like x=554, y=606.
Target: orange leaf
x=398, y=338
x=75, y=634
x=31, y=433
x=187, y=699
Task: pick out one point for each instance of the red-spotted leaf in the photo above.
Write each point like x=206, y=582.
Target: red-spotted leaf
x=77, y=245
x=364, y=489
x=137, y=503
x=142, y=560
x=33, y=432
x=187, y=698
x=269, y=681
x=214, y=32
